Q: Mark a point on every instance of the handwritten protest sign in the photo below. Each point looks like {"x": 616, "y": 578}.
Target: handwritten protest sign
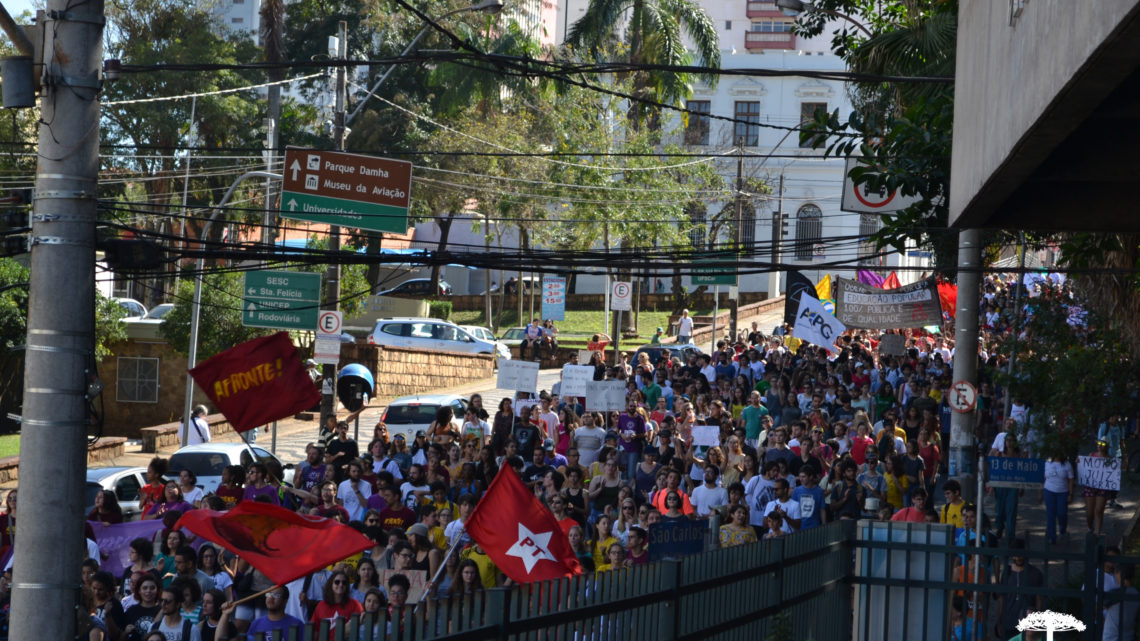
{"x": 706, "y": 435}
{"x": 1099, "y": 472}
{"x": 605, "y": 396}
{"x": 521, "y": 376}
{"x": 574, "y": 379}
{"x": 892, "y": 345}
{"x": 418, "y": 579}
{"x": 523, "y": 403}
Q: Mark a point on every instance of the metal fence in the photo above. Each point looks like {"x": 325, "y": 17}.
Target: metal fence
{"x": 774, "y": 587}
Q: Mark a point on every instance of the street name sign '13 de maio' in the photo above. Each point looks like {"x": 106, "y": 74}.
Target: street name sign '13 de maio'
{"x": 349, "y": 190}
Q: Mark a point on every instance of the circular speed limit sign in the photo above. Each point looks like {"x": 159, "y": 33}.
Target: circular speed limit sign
{"x": 963, "y": 397}
{"x": 329, "y": 322}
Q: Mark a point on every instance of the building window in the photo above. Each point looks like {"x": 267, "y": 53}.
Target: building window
{"x": 697, "y": 131}
{"x": 239, "y": 1}
{"x": 728, "y": 25}
{"x": 237, "y": 20}
{"x": 771, "y": 26}
{"x": 808, "y": 111}
{"x": 697, "y": 231}
{"x": 809, "y": 231}
{"x": 137, "y": 380}
{"x": 747, "y": 129}
{"x": 748, "y": 229}
{"x": 869, "y": 225}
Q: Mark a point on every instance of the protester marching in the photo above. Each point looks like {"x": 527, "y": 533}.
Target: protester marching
{"x": 836, "y": 414}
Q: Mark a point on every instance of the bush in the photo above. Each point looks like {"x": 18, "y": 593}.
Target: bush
{"x": 440, "y": 309}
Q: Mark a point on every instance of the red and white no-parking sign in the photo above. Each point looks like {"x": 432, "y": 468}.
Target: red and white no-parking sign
{"x": 963, "y": 397}
{"x": 330, "y": 322}
{"x": 859, "y": 199}
{"x": 621, "y": 296}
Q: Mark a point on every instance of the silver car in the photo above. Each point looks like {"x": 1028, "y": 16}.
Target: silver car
{"x": 125, "y": 482}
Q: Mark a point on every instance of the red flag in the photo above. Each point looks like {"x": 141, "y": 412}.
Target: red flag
{"x": 891, "y": 281}
{"x": 520, "y": 535}
{"x": 948, "y": 295}
{"x": 257, "y": 382}
{"x": 281, "y": 544}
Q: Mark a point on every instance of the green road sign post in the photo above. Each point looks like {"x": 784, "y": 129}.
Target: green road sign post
{"x": 347, "y": 190}
{"x": 281, "y": 300}
{"x": 709, "y": 275}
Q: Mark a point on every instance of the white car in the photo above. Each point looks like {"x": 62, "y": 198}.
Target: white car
{"x": 131, "y": 307}
{"x": 207, "y": 460}
{"x": 487, "y": 335}
{"x": 409, "y": 414}
{"x": 431, "y": 333}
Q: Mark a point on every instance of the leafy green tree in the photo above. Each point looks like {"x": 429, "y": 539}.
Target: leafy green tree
{"x": 219, "y": 327}
{"x": 654, "y": 34}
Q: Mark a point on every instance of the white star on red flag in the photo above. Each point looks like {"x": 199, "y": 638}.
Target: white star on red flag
{"x": 531, "y": 547}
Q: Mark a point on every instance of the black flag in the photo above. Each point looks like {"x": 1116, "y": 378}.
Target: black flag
{"x": 797, "y": 284}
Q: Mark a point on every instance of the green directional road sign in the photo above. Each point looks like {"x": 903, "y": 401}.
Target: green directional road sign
{"x": 281, "y": 300}
{"x": 349, "y": 190}
{"x": 710, "y": 275}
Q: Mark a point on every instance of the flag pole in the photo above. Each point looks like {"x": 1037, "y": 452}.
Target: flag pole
{"x": 442, "y": 566}
{"x": 254, "y": 596}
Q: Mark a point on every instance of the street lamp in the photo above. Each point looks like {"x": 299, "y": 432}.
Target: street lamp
{"x": 794, "y": 8}
{"x": 486, "y": 6}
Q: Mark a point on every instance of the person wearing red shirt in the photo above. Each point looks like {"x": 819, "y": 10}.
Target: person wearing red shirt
{"x": 672, "y": 482}
{"x": 336, "y": 601}
{"x": 861, "y": 442}
{"x": 916, "y": 513}
{"x": 558, "y": 507}
{"x": 155, "y": 487}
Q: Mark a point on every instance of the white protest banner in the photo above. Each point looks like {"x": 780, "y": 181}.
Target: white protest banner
{"x": 815, "y": 325}
{"x": 521, "y": 376}
{"x": 574, "y": 379}
{"x": 1099, "y": 472}
{"x": 706, "y": 435}
{"x": 605, "y": 396}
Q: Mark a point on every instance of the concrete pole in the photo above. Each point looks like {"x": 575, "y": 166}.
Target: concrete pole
{"x": 332, "y": 274}
{"x": 962, "y": 437}
{"x": 734, "y": 301}
{"x": 777, "y": 239}
{"x": 60, "y": 360}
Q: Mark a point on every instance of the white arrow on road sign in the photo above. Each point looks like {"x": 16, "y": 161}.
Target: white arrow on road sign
{"x": 292, "y": 204}
{"x": 295, "y": 168}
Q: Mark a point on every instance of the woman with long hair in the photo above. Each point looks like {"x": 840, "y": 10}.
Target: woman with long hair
{"x": 615, "y": 558}
{"x": 627, "y": 518}
{"x": 673, "y": 506}
{"x": 737, "y": 531}
{"x": 367, "y": 578}
{"x": 466, "y": 482}
{"x": 502, "y": 427}
{"x": 567, "y": 423}
{"x": 212, "y": 602}
{"x": 142, "y": 616}
{"x": 107, "y": 510}
{"x": 141, "y": 555}
{"x": 577, "y": 538}
{"x": 164, "y": 562}
{"x": 733, "y": 461}
{"x": 191, "y": 493}
{"x": 897, "y": 485}
{"x": 931, "y": 455}
{"x": 476, "y": 402}
{"x": 602, "y": 539}
{"x": 336, "y": 601}
{"x": 442, "y": 422}
{"x": 577, "y": 497}
{"x": 427, "y": 556}
{"x": 466, "y": 581}
{"x": 884, "y": 400}
{"x": 486, "y": 469}
{"x": 171, "y": 502}
{"x": 210, "y": 563}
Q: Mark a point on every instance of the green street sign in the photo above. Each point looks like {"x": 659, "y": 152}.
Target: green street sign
{"x": 281, "y": 300}
{"x": 347, "y": 190}
{"x": 713, "y": 275}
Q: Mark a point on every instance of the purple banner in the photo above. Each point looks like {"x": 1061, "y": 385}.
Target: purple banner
{"x": 115, "y": 542}
{"x": 868, "y": 277}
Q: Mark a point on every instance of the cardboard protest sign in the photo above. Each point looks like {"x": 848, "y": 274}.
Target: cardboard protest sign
{"x": 1099, "y": 472}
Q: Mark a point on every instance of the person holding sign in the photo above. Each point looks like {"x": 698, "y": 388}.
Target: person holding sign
{"x": 1096, "y": 498}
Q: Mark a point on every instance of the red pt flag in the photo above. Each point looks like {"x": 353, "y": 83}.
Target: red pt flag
{"x": 280, "y": 543}
{"x": 891, "y": 281}
{"x": 948, "y": 294}
{"x": 257, "y": 382}
{"x": 520, "y": 535}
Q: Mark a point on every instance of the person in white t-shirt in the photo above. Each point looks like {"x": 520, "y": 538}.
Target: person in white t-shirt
{"x": 787, "y": 510}
{"x": 473, "y": 425}
{"x": 199, "y": 430}
{"x": 709, "y": 495}
{"x": 548, "y": 416}
{"x": 684, "y": 328}
{"x": 589, "y": 440}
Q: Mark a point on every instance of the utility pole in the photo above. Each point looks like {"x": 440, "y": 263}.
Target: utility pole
{"x": 734, "y": 301}
{"x": 777, "y": 240}
{"x": 1008, "y": 401}
{"x": 332, "y": 275}
{"x": 962, "y": 437}
{"x": 60, "y": 361}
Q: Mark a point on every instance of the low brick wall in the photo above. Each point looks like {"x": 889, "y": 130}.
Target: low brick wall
{"x": 160, "y": 437}
{"x": 400, "y": 371}
{"x": 104, "y": 449}
{"x": 703, "y": 333}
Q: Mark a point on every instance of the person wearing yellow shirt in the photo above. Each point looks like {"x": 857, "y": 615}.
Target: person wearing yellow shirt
{"x": 603, "y": 539}
{"x": 952, "y": 511}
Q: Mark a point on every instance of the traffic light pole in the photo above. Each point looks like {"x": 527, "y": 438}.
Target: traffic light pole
{"x": 60, "y": 358}
{"x": 332, "y": 275}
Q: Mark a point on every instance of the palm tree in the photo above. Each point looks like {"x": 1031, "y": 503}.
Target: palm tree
{"x": 654, "y": 35}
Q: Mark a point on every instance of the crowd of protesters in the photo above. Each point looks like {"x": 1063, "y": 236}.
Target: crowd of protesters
{"x": 803, "y": 437}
